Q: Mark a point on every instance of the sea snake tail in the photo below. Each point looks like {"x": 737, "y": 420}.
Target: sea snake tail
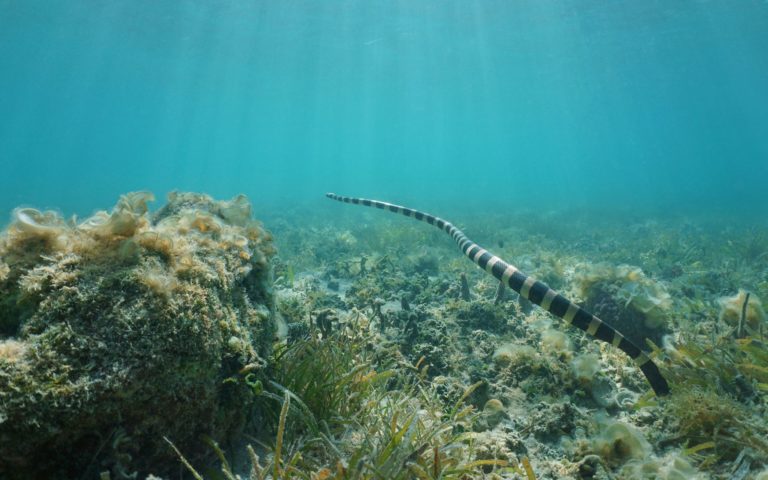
{"x": 530, "y": 288}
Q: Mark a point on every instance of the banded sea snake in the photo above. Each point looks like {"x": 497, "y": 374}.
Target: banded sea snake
{"x": 530, "y": 288}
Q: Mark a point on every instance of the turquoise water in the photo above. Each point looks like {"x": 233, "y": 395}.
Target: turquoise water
{"x": 658, "y": 105}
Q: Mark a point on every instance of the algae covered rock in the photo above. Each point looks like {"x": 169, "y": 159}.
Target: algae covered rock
{"x": 125, "y": 328}
{"x": 626, "y": 298}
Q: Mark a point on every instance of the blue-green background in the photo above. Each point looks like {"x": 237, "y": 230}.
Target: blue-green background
{"x": 646, "y": 105}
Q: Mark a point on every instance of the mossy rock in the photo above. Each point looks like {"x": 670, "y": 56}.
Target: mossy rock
{"x": 128, "y": 328}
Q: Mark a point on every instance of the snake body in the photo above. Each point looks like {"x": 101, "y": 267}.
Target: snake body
{"x": 531, "y": 289}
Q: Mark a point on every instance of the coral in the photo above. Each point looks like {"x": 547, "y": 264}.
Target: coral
{"x": 126, "y": 327}
{"x": 731, "y": 310}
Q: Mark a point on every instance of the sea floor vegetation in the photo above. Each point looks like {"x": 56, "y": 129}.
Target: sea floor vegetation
{"x": 396, "y": 358}
{"x": 548, "y": 401}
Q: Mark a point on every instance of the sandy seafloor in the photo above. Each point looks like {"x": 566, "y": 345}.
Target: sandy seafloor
{"x": 575, "y": 408}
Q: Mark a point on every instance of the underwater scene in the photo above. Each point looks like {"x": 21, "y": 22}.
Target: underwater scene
{"x": 383, "y": 239}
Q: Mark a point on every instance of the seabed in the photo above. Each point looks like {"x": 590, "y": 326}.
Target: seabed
{"x": 356, "y": 344}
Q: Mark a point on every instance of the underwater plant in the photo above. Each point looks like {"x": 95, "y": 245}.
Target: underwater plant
{"x": 358, "y": 411}
{"x": 722, "y": 397}
{"x": 530, "y": 289}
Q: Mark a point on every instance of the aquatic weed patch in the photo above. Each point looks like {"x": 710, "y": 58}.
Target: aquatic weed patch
{"x": 721, "y": 397}
{"x": 354, "y": 415}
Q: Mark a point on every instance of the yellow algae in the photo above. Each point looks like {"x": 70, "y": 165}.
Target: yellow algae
{"x": 731, "y": 309}
{"x": 11, "y": 350}
{"x": 585, "y": 367}
{"x": 555, "y": 340}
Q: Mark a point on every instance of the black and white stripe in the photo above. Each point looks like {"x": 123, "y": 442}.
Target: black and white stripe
{"x": 530, "y": 288}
